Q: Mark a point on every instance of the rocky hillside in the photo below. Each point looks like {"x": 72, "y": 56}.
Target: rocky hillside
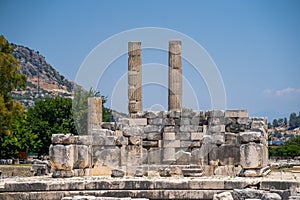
{"x": 38, "y": 71}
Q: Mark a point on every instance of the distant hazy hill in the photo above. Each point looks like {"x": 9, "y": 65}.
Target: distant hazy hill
{"x": 51, "y": 82}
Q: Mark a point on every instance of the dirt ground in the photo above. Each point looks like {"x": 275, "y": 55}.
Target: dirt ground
{"x": 16, "y": 170}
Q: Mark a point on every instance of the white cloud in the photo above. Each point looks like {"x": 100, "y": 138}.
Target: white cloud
{"x": 287, "y": 91}
{"x": 283, "y": 92}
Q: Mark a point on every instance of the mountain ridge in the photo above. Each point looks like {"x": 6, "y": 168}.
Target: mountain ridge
{"x": 43, "y": 80}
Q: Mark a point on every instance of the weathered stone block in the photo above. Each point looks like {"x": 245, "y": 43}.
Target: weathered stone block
{"x": 62, "y": 139}
{"x": 78, "y": 172}
{"x": 171, "y": 143}
{"x": 229, "y": 154}
{"x": 120, "y": 141}
{"x": 168, "y": 129}
{"x": 101, "y": 171}
{"x": 149, "y": 114}
{"x": 212, "y": 121}
{"x": 110, "y": 157}
{"x": 190, "y": 128}
{"x": 251, "y": 137}
{"x": 183, "y": 158}
{"x": 61, "y": 157}
{"x": 154, "y": 156}
{"x": 187, "y": 113}
{"x": 117, "y": 173}
{"x": 138, "y": 122}
{"x": 82, "y": 157}
{"x": 223, "y": 196}
{"x": 169, "y": 122}
{"x": 150, "y": 144}
{"x": 155, "y": 121}
{"x": 214, "y": 154}
{"x": 154, "y": 136}
{"x": 216, "y": 113}
{"x": 231, "y": 138}
{"x": 196, "y": 135}
{"x": 151, "y": 128}
{"x": 185, "y": 121}
{"x": 216, "y": 128}
{"x": 82, "y": 139}
{"x": 135, "y": 140}
{"x": 62, "y": 173}
{"x": 132, "y": 131}
{"x": 169, "y": 136}
{"x": 236, "y": 113}
{"x": 251, "y": 155}
{"x": 199, "y": 156}
{"x": 218, "y": 138}
{"x": 256, "y": 124}
{"x": 168, "y": 155}
{"x": 183, "y": 136}
{"x": 186, "y": 144}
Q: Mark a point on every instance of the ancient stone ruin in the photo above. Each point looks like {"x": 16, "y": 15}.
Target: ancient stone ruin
{"x": 176, "y": 142}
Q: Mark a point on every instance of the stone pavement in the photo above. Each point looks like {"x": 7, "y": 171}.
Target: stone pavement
{"x": 46, "y": 187}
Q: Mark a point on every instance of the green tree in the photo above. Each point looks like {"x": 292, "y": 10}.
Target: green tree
{"x": 80, "y": 108}
{"x": 291, "y": 148}
{"x": 47, "y": 117}
{"x": 10, "y": 79}
{"x": 293, "y": 120}
{"x": 275, "y": 123}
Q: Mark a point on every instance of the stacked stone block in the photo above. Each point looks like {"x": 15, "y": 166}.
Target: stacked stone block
{"x": 187, "y": 143}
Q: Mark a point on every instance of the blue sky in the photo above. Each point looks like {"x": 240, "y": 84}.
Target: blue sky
{"x": 255, "y": 44}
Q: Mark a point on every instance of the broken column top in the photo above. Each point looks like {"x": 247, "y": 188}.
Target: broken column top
{"x": 175, "y": 46}
{"x": 134, "y": 48}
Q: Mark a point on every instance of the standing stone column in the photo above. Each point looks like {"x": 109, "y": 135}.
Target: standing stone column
{"x": 94, "y": 114}
{"x": 175, "y": 76}
{"x": 134, "y": 78}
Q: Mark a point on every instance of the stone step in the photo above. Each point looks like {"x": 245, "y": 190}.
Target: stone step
{"x": 148, "y": 194}
{"x": 192, "y": 172}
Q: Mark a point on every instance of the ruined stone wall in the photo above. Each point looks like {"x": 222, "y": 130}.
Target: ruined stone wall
{"x": 167, "y": 143}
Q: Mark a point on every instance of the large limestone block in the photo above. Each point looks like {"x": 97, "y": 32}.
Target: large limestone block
{"x": 82, "y": 139}
{"x": 62, "y": 139}
{"x": 151, "y": 128}
{"x": 223, "y": 196}
{"x": 251, "y": 137}
{"x": 232, "y": 138}
{"x": 168, "y": 155}
{"x": 214, "y": 155}
{"x": 199, "y": 156}
{"x": 101, "y": 171}
{"x": 216, "y": 128}
{"x": 212, "y": 121}
{"x": 196, "y": 135}
{"x": 82, "y": 157}
{"x": 62, "y": 173}
{"x": 229, "y": 154}
{"x": 110, "y": 157}
{"x": 138, "y": 122}
{"x": 61, "y": 157}
{"x": 154, "y": 156}
{"x": 132, "y": 131}
{"x": 215, "y": 113}
{"x": 154, "y": 136}
{"x": 236, "y": 113}
{"x": 251, "y": 155}
{"x": 183, "y": 158}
